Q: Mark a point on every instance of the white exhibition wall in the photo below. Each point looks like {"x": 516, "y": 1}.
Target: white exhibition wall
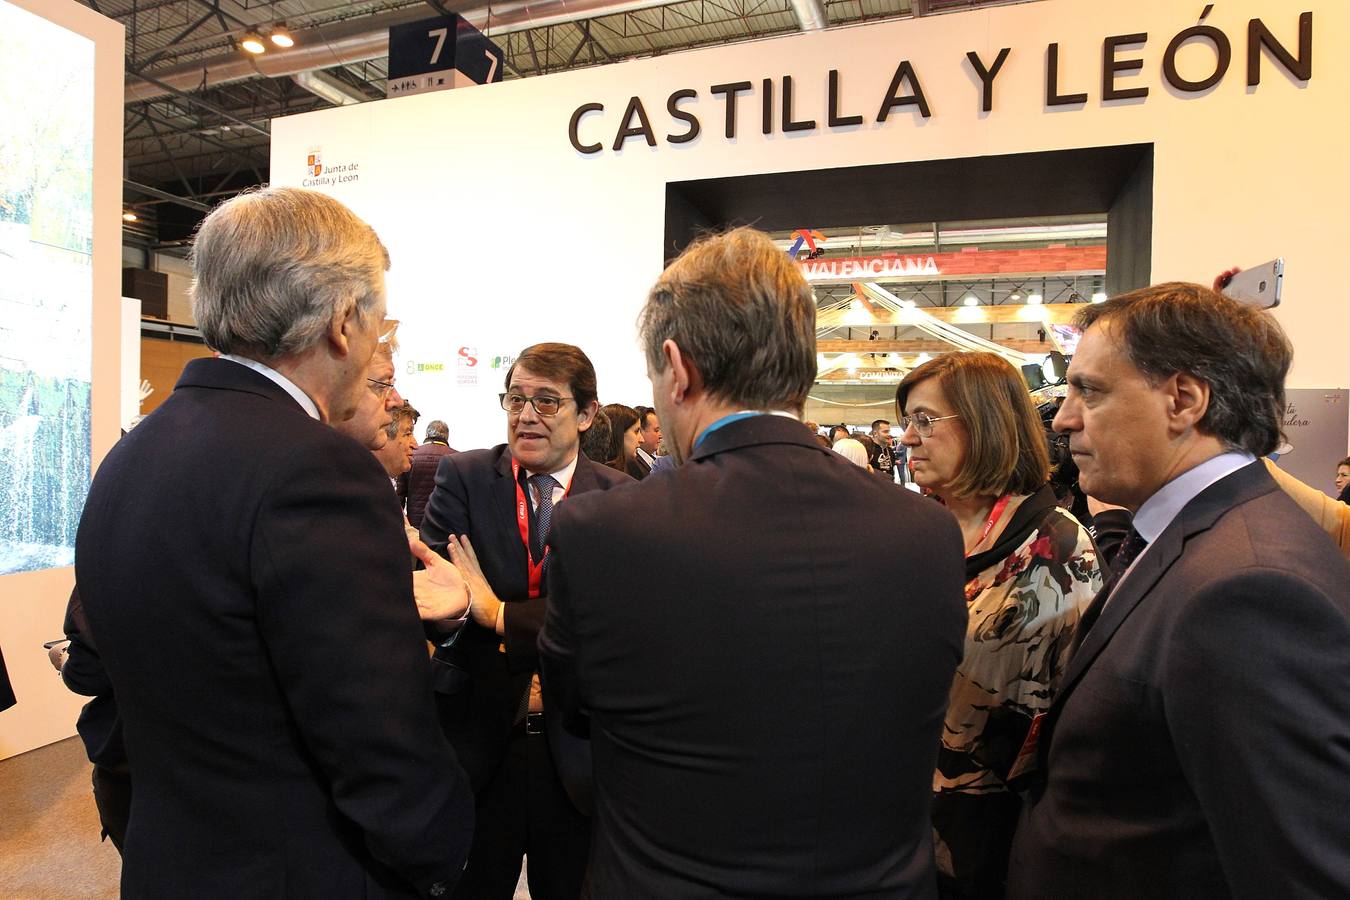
{"x": 33, "y": 603}
{"x": 503, "y": 234}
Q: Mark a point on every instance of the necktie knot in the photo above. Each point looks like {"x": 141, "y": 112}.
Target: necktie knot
{"x": 543, "y": 486}
{"x": 1129, "y": 551}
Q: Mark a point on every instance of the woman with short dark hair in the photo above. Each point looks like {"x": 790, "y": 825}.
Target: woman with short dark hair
{"x": 978, "y": 446}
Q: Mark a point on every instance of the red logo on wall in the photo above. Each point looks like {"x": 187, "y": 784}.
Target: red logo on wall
{"x": 315, "y": 162}
{"x": 468, "y": 356}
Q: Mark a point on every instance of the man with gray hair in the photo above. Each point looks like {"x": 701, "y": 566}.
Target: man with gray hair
{"x": 246, "y": 575}
{"x": 396, "y": 454}
{"x": 766, "y": 719}
{"x": 420, "y": 480}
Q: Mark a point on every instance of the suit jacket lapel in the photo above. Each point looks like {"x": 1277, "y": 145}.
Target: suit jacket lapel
{"x": 502, "y": 500}
{"x": 1199, "y": 515}
{"x": 1156, "y": 560}
{"x": 583, "y": 479}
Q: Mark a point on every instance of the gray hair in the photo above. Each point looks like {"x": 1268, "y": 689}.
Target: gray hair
{"x": 740, "y": 311}
{"x": 1239, "y": 351}
{"x": 274, "y": 266}
{"x": 437, "y": 431}
{"x": 401, "y": 414}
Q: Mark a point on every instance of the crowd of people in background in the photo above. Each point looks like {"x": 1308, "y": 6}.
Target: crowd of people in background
{"x": 660, "y": 665}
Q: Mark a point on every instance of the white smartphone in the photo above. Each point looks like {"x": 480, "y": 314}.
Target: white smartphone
{"x": 1260, "y": 285}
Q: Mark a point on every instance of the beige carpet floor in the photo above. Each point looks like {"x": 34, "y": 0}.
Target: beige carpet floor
{"x": 49, "y": 845}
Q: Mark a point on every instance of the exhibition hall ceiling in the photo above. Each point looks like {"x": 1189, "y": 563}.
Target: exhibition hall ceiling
{"x": 198, "y": 107}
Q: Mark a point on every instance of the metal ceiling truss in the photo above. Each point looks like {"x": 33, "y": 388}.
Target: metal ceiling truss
{"x": 199, "y": 138}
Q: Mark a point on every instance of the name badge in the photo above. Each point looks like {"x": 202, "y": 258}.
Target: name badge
{"x": 1028, "y": 757}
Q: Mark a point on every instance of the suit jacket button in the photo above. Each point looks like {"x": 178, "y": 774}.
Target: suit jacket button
{"x": 437, "y": 889}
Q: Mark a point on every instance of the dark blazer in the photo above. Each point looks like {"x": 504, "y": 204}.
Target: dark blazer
{"x": 765, "y": 693}
{"x": 482, "y": 677}
{"x": 246, "y": 575}
{"x": 1200, "y": 743}
{"x": 421, "y": 479}
{"x": 99, "y": 725}
{"x": 639, "y": 468}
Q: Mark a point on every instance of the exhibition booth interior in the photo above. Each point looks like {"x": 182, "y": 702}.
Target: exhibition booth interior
{"x": 954, "y": 182}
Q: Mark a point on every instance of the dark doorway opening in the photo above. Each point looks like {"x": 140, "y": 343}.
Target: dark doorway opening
{"x": 1117, "y": 181}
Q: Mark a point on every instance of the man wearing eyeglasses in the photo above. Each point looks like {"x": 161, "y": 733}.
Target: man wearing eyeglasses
{"x": 374, "y": 409}
{"x": 490, "y": 513}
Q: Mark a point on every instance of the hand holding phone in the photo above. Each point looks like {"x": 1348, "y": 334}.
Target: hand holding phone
{"x": 1259, "y": 286}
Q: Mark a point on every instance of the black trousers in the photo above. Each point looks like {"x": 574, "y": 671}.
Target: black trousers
{"x": 112, "y": 796}
{"x": 524, "y": 811}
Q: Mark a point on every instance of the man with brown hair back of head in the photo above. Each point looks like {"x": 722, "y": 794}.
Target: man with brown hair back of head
{"x": 765, "y": 690}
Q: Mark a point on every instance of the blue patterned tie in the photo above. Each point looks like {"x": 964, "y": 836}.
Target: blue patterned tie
{"x": 543, "y": 486}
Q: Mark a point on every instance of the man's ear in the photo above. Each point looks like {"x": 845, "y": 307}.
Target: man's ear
{"x": 1188, "y": 399}
{"x": 685, "y": 377}
{"x": 341, "y": 328}
{"x": 586, "y": 415}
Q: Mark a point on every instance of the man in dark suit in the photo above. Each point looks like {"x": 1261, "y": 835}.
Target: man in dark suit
{"x": 764, "y": 694}
{"x": 242, "y": 565}
{"x": 1199, "y": 745}
{"x": 649, "y": 440}
{"x": 491, "y": 512}
{"x": 421, "y": 478}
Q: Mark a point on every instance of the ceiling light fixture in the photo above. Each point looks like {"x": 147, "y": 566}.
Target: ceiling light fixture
{"x": 128, "y": 216}
{"x": 1099, "y": 297}
{"x": 252, "y": 42}
{"x": 1035, "y": 300}
{"x": 971, "y": 300}
{"x": 281, "y": 37}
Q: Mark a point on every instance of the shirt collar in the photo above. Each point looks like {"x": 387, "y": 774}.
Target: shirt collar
{"x": 1159, "y": 510}
{"x": 646, "y": 457}
{"x": 564, "y": 475}
{"x": 743, "y": 414}
{"x": 281, "y": 380}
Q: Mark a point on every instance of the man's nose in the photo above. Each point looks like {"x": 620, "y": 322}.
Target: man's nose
{"x": 1066, "y": 419}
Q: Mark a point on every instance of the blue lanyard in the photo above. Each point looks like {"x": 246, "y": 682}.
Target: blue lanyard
{"x": 726, "y": 420}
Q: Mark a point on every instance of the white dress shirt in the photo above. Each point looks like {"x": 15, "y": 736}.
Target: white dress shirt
{"x": 285, "y": 383}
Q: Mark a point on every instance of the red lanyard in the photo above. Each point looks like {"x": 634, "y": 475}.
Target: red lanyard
{"x": 535, "y": 570}
{"x": 994, "y": 513}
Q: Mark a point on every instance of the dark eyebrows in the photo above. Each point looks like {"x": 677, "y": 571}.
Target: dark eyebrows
{"x": 1081, "y": 382}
